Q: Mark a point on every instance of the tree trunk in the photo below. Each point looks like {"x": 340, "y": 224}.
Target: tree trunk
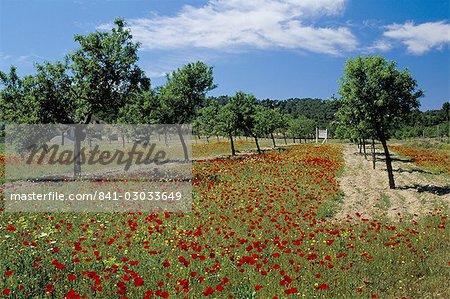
{"x": 217, "y": 138}
{"x": 388, "y": 163}
{"x": 79, "y": 136}
{"x": 77, "y": 151}
{"x": 293, "y": 139}
{"x": 257, "y": 145}
{"x": 123, "y": 141}
{"x": 373, "y": 153}
{"x": 364, "y": 148}
{"x": 285, "y": 140}
{"x": 62, "y": 137}
{"x": 233, "y": 151}
{"x": 273, "y": 140}
{"x": 183, "y": 143}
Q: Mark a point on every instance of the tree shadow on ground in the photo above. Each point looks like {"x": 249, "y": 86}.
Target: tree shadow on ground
{"x": 400, "y": 170}
{"x": 438, "y": 190}
{"x": 380, "y": 157}
{"x": 403, "y": 160}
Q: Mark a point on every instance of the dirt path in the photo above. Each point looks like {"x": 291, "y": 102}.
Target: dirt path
{"x": 367, "y": 191}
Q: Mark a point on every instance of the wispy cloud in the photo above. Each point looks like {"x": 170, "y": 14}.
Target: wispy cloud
{"x": 171, "y": 60}
{"x": 7, "y": 60}
{"x": 421, "y": 38}
{"x": 381, "y": 45}
{"x": 232, "y": 25}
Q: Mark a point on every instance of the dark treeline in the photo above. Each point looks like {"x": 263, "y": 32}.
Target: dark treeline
{"x": 428, "y": 124}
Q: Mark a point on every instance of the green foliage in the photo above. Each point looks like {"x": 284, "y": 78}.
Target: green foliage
{"x": 105, "y": 72}
{"x": 208, "y": 118}
{"x": 16, "y": 101}
{"x": 267, "y": 120}
{"x": 141, "y": 108}
{"x": 53, "y": 93}
{"x": 227, "y": 120}
{"x": 321, "y": 111}
{"x": 185, "y": 91}
{"x": 243, "y": 106}
{"x": 376, "y": 97}
{"x": 301, "y": 127}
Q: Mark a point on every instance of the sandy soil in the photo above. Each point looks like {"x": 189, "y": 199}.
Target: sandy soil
{"x": 367, "y": 191}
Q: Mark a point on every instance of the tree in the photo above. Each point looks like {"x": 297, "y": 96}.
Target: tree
{"x": 141, "y": 108}
{"x": 446, "y": 109}
{"x": 184, "y": 93}
{"x": 379, "y": 96}
{"x": 98, "y": 78}
{"x": 207, "y": 119}
{"x": 52, "y": 92}
{"x": 17, "y": 104}
{"x": 105, "y": 75}
{"x": 267, "y": 120}
{"x": 227, "y": 123}
{"x": 243, "y": 106}
{"x": 283, "y": 126}
{"x": 301, "y": 127}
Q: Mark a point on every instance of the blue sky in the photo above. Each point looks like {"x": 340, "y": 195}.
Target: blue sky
{"x": 272, "y": 48}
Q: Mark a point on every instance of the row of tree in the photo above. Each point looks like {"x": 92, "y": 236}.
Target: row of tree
{"x": 102, "y": 78}
{"x": 243, "y": 115}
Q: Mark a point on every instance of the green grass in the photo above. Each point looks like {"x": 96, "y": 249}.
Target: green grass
{"x": 384, "y": 203}
{"x": 260, "y": 222}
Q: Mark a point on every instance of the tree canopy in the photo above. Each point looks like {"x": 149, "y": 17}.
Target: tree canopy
{"x": 376, "y": 98}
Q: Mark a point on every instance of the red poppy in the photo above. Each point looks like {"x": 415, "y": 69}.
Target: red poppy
{"x": 290, "y": 291}
{"x": 10, "y": 228}
{"x": 323, "y": 286}
{"x": 138, "y": 281}
{"x": 208, "y": 291}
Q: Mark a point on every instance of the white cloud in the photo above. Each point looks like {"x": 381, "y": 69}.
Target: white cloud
{"x": 231, "y": 25}
{"x": 420, "y": 38}
{"x": 380, "y": 46}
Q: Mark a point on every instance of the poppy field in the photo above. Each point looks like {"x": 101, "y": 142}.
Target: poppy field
{"x": 431, "y": 159}
{"x": 261, "y": 226}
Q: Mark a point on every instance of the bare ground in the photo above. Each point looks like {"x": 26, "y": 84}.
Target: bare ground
{"x": 367, "y": 191}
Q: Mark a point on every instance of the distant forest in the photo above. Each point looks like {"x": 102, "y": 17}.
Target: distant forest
{"x": 428, "y": 124}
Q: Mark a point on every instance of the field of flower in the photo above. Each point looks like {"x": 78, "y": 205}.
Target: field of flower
{"x": 432, "y": 159}
{"x": 214, "y": 149}
{"x": 260, "y": 227}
